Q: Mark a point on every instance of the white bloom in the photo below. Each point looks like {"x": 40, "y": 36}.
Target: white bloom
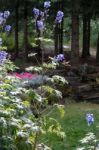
{"x": 80, "y": 148}
{"x": 90, "y": 136}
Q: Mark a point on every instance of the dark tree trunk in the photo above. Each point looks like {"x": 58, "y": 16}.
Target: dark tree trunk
{"x": 56, "y": 39}
{"x": 16, "y": 29}
{"x": 88, "y": 48}
{"x": 84, "y": 52}
{"x": 97, "y": 53}
{"x": 75, "y": 39}
{"x": 26, "y": 29}
{"x": 75, "y": 32}
{"x": 61, "y": 29}
{"x": 86, "y": 36}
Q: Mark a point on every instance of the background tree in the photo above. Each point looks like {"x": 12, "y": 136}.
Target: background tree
{"x": 75, "y": 32}
{"x": 16, "y": 28}
{"x": 26, "y": 28}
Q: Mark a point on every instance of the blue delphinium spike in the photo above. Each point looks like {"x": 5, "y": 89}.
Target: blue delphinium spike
{"x": 89, "y": 119}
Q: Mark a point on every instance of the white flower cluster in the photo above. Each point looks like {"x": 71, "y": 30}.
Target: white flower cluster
{"x": 89, "y": 136}
{"x": 89, "y": 142}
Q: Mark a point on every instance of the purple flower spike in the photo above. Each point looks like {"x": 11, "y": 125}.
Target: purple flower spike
{"x": 47, "y": 4}
{"x": 3, "y": 56}
{"x": 36, "y": 11}
{"x": 1, "y": 14}
{"x": 41, "y": 13}
{"x": 89, "y": 119}
{"x": 59, "y": 16}
{"x": 0, "y": 41}
{"x": 60, "y": 57}
{"x": 1, "y": 20}
{"x": 7, "y": 28}
{"x": 40, "y": 24}
{"x": 6, "y": 14}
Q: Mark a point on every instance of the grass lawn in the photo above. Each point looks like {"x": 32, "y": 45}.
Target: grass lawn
{"x": 74, "y": 125}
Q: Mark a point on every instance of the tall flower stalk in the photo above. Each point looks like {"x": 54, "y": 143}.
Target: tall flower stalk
{"x": 3, "y": 27}
{"x": 57, "y": 31}
{"x": 40, "y": 17}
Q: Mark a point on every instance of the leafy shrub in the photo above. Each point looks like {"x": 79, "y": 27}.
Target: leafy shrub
{"x": 61, "y": 84}
{"x": 17, "y": 124}
{"x": 50, "y": 94}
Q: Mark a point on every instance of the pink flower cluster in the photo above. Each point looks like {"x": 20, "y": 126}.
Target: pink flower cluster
{"x": 25, "y": 75}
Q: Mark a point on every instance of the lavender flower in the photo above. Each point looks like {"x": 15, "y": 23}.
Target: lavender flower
{"x": 1, "y": 14}
{"x": 40, "y": 24}
{"x": 0, "y": 41}
{"x": 36, "y": 11}
{"x": 89, "y": 119}
{"x": 60, "y": 57}
{"x": 59, "y": 16}
{"x": 6, "y": 14}
{"x": 47, "y": 4}
{"x": 41, "y": 13}
{"x": 1, "y": 20}
{"x": 7, "y": 28}
{"x": 3, "y": 56}
{"x": 3, "y": 17}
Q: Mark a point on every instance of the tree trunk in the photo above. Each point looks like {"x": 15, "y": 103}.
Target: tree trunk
{"x": 97, "y": 53}
{"x": 16, "y": 29}
{"x": 88, "y": 48}
{"x": 84, "y": 52}
{"x": 26, "y": 29}
{"x": 56, "y": 39}
{"x": 86, "y": 36}
{"x": 75, "y": 38}
{"x": 61, "y": 29}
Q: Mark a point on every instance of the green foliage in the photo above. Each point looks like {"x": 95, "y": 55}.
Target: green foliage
{"x": 34, "y": 69}
{"x": 35, "y": 82}
{"x": 61, "y": 84}
{"x": 17, "y": 123}
{"x": 9, "y": 66}
{"x": 49, "y": 65}
{"x": 51, "y": 94}
{"x": 90, "y": 141}
{"x": 53, "y": 127}
{"x": 59, "y": 80}
{"x": 21, "y": 120}
{"x": 8, "y": 40}
{"x": 95, "y": 30}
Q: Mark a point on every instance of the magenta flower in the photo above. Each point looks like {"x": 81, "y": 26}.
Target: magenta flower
{"x": 25, "y": 75}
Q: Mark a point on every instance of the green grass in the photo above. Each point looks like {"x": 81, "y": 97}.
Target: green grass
{"x": 74, "y": 125}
